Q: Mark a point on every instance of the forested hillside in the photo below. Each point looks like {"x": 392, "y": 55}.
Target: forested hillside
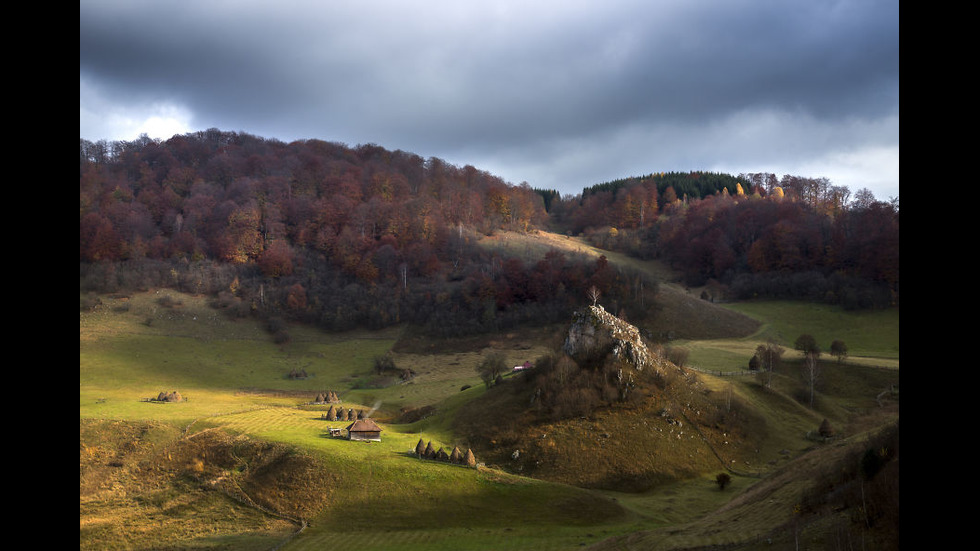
{"x": 321, "y": 232}
{"x": 750, "y": 236}
{"x": 343, "y": 236}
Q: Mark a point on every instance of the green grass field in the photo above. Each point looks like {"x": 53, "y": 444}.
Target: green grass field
{"x": 233, "y": 377}
{"x": 138, "y": 467}
{"x": 871, "y": 337}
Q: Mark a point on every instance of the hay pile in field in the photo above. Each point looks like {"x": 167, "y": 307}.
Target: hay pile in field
{"x": 329, "y": 397}
{"x": 457, "y": 457}
{"x": 172, "y": 396}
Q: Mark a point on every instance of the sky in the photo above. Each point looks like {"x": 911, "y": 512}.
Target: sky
{"x": 558, "y": 94}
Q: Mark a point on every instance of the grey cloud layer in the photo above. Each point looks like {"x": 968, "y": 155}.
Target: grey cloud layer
{"x": 494, "y": 80}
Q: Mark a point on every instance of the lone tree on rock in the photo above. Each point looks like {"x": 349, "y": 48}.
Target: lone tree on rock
{"x": 594, "y": 294}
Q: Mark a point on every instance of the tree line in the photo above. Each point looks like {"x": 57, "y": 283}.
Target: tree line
{"x": 324, "y": 233}
{"x": 341, "y": 236}
{"x": 750, "y": 236}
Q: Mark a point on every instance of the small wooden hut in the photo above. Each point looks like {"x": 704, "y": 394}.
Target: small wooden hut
{"x": 364, "y": 429}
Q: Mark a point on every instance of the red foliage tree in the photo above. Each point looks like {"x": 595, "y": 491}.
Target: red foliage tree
{"x": 277, "y": 259}
{"x": 98, "y": 240}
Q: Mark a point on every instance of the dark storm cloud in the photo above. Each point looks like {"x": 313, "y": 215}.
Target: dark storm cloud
{"x": 559, "y": 94}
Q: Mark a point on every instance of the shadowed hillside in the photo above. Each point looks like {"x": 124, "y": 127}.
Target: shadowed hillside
{"x": 597, "y": 417}
{"x": 841, "y": 496}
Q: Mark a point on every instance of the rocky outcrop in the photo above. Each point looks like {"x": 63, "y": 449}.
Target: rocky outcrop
{"x": 593, "y": 328}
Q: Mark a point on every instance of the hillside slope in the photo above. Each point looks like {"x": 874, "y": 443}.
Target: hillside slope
{"x": 677, "y": 312}
{"x": 681, "y": 315}
{"x": 606, "y": 413}
{"x": 838, "y": 496}
{"x": 681, "y": 426}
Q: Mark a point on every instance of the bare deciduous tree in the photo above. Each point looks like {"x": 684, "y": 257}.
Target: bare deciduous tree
{"x": 594, "y": 294}
{"x": 769, "y": 355}
{"x": 811, "y": 371}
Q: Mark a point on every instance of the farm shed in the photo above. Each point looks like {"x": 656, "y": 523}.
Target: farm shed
{"x": 526, "y": 365}
{"x": 364, "y": 429}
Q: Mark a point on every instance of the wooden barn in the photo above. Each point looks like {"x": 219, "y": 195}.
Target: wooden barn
{"x": 364, "y": 429}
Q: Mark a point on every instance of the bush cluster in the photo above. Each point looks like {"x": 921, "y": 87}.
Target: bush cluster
{"x": 562, "y": 387}
{"x": 865, "y": 483}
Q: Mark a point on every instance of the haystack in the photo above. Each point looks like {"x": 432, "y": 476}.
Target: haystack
{"x": 169, "y": 397}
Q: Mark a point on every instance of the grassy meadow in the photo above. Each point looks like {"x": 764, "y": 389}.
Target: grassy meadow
{"x": 234, "y": 378}
{"x": 148, "y": 470}
{"x": 871, "y": 336}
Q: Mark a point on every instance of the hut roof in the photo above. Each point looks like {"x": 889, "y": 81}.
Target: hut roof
{"x": 363, "y": 425}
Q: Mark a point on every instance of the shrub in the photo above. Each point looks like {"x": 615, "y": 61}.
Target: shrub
{"x": 722, "y": 480}
{"x": 491, "y": 367}
{"x": 677, "y": 356}
{"x": 825, "y": 429}
{"x": 168, "y": 301}
{"x": 89, "y": 303}
{"x": 383, "y": 363}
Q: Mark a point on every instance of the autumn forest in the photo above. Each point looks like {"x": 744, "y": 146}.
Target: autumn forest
{"x": 341, "y": 236}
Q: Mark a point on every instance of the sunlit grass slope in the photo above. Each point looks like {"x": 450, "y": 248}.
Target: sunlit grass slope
{"x": 147, "y": 466}
{"x": 235, "y": 380}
